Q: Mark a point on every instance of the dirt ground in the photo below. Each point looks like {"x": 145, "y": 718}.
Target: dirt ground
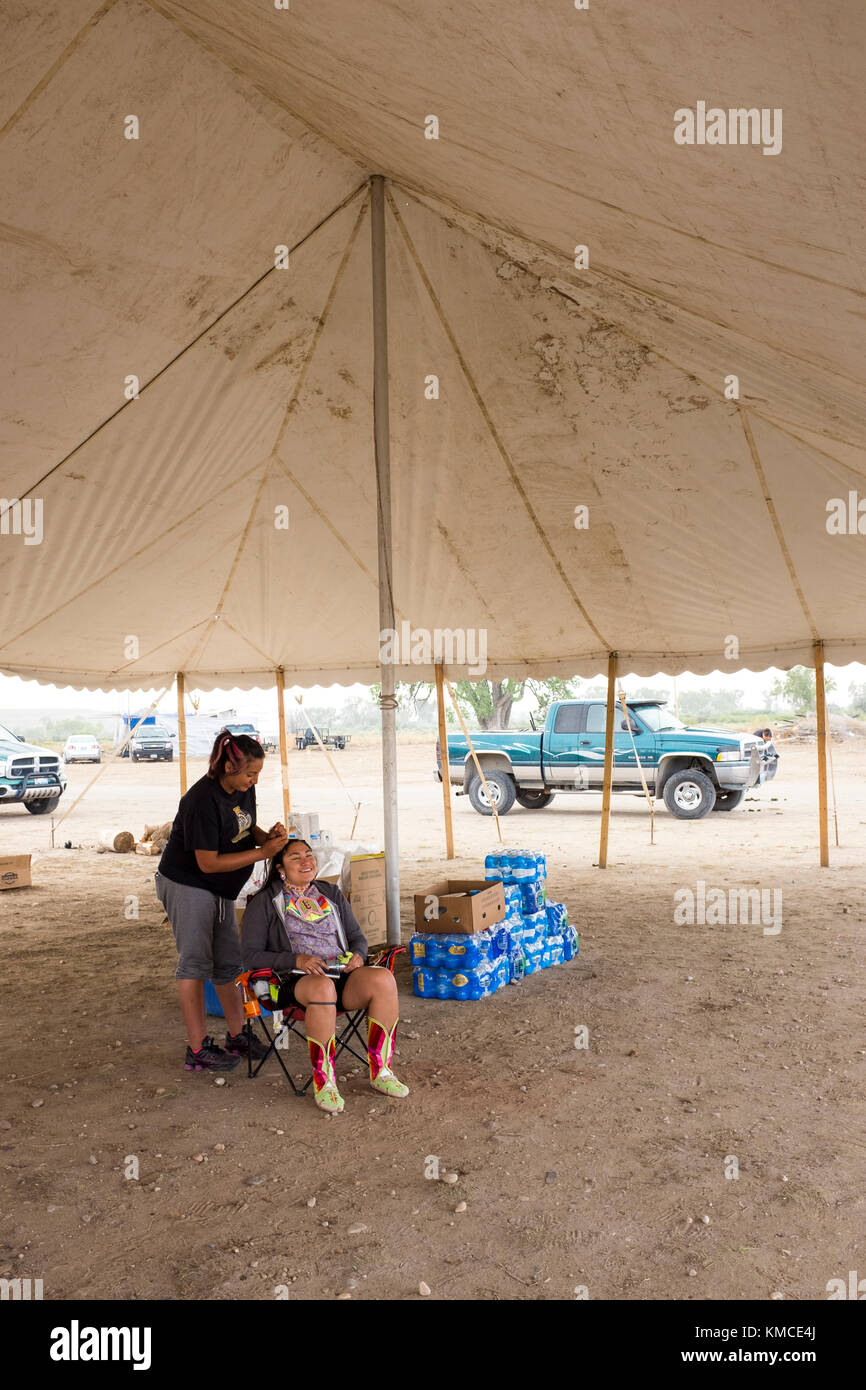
{"x": 600, "y": 1169}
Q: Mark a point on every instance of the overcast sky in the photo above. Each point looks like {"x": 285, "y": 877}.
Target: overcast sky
{"x": 16, "y": 694}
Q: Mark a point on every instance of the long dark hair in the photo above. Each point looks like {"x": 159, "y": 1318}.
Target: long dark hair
{"x": 238, "y": 747}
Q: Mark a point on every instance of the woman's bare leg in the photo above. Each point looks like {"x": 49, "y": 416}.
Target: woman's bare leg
{"x": 191, "y": 996}
{"x": 375, "y": 990}
{"x": 320, "y": 1020}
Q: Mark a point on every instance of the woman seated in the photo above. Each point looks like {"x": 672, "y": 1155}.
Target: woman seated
{"x": 295, "y": 923}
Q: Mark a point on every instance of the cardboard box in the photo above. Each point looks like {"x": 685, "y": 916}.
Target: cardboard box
{"x": 15, "y": 871}
{"x": 458, "y": 911}
{"x": 367, "y": 894}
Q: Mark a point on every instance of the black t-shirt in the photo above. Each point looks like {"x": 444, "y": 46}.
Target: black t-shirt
{"x": 210, "y": 818}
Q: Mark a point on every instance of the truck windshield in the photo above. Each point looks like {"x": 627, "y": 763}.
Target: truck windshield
{"x": 7, "y": 733}
{"x": 656, "y": 717}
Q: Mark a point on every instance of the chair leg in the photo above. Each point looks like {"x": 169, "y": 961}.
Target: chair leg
{"x": 344, "y": 1042}
{"x": 272, "y": 1040}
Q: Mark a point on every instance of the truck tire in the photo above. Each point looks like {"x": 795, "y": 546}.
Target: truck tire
{"x": 502, "y": 790}
{"x": 729, "y": 801}
{"x": 534, "y": 801}
{"x": 689, "y": 794}
{"x": 42, "y": 808}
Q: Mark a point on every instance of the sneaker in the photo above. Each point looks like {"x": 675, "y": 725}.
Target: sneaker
{"x": 209, "y": 1058}
{"x": 240, "y": 1045}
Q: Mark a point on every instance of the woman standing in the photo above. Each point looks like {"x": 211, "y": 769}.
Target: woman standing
{"x": 213, "y": 845}
{"x": 302, "y": 927}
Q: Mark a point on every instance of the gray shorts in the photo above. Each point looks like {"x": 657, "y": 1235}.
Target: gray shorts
{"x": 205, "y": 932}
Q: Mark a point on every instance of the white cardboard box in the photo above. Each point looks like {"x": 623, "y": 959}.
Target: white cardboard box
{"x": 302, "y": 824}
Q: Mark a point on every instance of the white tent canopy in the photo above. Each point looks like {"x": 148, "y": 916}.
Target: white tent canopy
{"x": 558, "y": 388}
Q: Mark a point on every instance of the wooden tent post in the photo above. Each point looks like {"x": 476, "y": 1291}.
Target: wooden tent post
{"x": 479, "y": 769}
{"x": 446, "y": 767}
{"x": 181, "y": 733}
{"x": 823, "y": 739}
{"x": 284, "y": 752}
{"x": 608, "y": 760}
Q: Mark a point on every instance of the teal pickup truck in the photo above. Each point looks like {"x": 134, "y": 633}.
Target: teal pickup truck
{"x": 29, "y": 775}
{"x": 695, "y": 771}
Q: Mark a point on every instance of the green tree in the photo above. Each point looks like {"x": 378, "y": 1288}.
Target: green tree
{"x": 490, "y": 701}
{"x": 707, "y": 704}
{"x": 413, "y": 697}
{"x": 547, "y": 691}
{"x": 796, "y": 689}
{"x": 857, "y": 701}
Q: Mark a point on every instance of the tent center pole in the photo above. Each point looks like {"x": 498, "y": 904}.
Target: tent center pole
{"x": 608, "y": 760}
{"x": 822, "y": 740}
{"x": 284, "y": 752}
{"x": 382, "y": 453}
{"x": 445, "y": 764}
{"x": 181, "y": 733}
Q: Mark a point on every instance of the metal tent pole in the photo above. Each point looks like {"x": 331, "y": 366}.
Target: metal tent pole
{"x": 382, "y": 450}
{"x": 181, "y": 733}
{"x": 823, "y": 737}
{"x": 446, "y": 767}
{"x": 608, "y": 760}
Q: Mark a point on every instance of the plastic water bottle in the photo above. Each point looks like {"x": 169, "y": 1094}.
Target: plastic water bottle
{"x": 518, "y": 965}
{"x": 424, "y": 982}
{"x": 531, "y": 894}
{"x": 513, "y": 898}
{"x": 493, "y": 867}
{"x": 532, "y": 953}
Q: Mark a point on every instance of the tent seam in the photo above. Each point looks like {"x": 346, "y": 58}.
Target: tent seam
{"x": 488, "y": 419}
{"x": 191, "y": 344}
{"x": 777, "y": 525}
{"x": 48, "y": 77}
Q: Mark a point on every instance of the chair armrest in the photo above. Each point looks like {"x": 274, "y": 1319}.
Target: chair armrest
{"x": 387, "y": 957}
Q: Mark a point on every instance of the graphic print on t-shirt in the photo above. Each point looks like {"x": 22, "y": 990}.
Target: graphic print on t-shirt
{"x": 244, "y": 822}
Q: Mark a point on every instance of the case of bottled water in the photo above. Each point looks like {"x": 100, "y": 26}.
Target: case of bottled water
{"x": 534, "y": 935}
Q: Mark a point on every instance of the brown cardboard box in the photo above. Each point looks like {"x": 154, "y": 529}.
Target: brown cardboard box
{"x": 368, "y": 894}
{"x": 15, "y": 871}
{"x": 458, "y": 912}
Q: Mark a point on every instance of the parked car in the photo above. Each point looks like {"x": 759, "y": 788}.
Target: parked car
{"x": 82, "y": 748}
{"x": 29, "y": 774}
{"x": 694, "y": 770}
{"x": 151, "y": 743}
{"x": 308, "y": 739}
{"x": 249, "y": 729}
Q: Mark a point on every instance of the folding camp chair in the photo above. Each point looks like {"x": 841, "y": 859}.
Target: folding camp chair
{"x": 291, "y": 1017}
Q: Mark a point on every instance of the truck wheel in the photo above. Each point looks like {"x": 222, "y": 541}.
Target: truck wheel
{"x": 42, "y": 808}
{"x": 533, "y": 801}
{"x": 689, "y": 794}
{"x": 501, "y": 789}
{"x": 729, "y": 801}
